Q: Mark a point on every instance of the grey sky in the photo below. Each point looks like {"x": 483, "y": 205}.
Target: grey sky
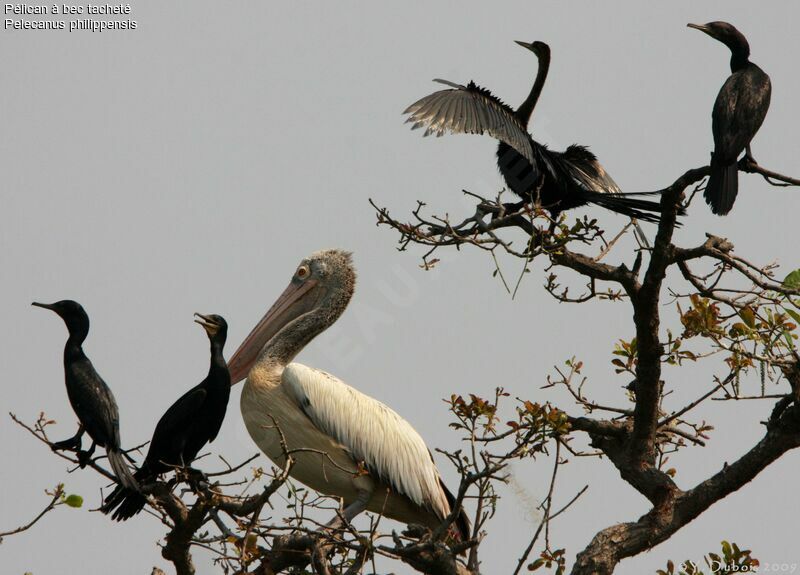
{"x": 190, "y": 164}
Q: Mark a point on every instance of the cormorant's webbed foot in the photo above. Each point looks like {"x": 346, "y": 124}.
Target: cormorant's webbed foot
{"x": 84, "y": 457}
{"x": 194, "y": 475}
{"x": 71, "y": 444}
{"x": 510, "y": 208}
{"x": 748, "y": 162}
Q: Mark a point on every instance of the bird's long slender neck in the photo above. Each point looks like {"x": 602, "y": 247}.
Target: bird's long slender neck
{"x": 740, "y": 53}
{"x": 525, "y": 110}
{"x": 218, "y": 367}
{"x": 73, "y": 349}
{"x": 295, "y": 335}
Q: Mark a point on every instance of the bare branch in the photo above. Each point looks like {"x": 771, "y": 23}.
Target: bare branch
{"x": 57, "y": 494}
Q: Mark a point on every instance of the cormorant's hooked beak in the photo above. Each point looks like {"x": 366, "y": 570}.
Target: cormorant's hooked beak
{"x": 701, "y": 27}
{"x": 208, "y": 324}
{"x": 525, "y": 45}
{"x": 292, "y": 303}
{"x": 44, "y": 305}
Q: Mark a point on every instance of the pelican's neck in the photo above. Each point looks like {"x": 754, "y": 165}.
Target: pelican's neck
{"x": 525, "y": 111}
{"x": 293, "y": 337}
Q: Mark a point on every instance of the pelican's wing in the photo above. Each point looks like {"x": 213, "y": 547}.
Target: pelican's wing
{"x": 470, "y": 110}
{"x": 373, "y": 433}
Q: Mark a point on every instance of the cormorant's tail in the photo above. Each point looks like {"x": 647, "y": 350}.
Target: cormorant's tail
{"x": 628, "y": 204}
{"x": 721, "y": 189}
{"x": 121, "y": 470}
{"x": 462, "y": 524}
{"x": 124, "y": 502}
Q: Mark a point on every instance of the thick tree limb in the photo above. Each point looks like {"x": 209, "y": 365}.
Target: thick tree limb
{"x": 615, "y": 543}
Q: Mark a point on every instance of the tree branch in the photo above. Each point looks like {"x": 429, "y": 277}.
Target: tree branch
{"x": 615, "y": 543}
{"x": 58, "y": 492}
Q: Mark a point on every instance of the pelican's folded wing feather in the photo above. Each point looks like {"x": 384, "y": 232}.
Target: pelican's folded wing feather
{"x": 372, "y": 432}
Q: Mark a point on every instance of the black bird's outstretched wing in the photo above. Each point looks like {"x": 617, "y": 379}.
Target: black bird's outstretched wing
{"x": 470, "y": 109}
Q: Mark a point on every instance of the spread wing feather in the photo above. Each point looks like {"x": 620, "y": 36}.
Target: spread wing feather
{"x": 470, "y": 110}
{"x": 582, "y": 166}
{"x": 371, "y": 432}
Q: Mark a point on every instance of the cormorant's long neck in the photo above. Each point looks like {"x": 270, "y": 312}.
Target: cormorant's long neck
{"x": 218, "y": 365}
{"x": 525, "y": 110}
{"x": 740, "y": 54}
{"x": 73, "y": 350}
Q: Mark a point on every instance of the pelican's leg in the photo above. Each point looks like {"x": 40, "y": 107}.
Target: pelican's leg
{"x": 350, "y": 512}
{"x": 72, "y": 444}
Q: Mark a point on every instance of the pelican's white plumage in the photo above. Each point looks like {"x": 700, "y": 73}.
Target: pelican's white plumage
{"x": 344, "y": 442}
{"x": 315, "y": 410}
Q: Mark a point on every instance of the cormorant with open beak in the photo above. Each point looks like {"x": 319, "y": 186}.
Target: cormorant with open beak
{"x": 89, "y": 395}
{"x": 191, "y": 422}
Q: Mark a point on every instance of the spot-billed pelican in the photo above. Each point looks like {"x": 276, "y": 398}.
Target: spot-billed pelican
{"x": 353, "y": 446}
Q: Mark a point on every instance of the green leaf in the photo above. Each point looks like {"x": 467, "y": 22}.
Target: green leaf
{"x": 794, "y": 315}
{"x": 726, "y": 550}
{"x": 792, "y": 281}
{"x": 748, "y": 316}
{"x": 74, "y": 500}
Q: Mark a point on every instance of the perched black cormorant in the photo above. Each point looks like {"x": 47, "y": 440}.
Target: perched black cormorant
{"x": 558, "y": 180}
{"x": 739, "y": 111}
{"x": 89, "y": 395}
{"x": 190, "y": 423}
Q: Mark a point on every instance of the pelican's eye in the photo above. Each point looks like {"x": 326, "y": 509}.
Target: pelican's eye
{"x": 303, "y": 272}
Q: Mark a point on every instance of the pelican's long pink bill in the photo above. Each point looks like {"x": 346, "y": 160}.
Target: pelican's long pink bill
{"x": 289, "y": 306}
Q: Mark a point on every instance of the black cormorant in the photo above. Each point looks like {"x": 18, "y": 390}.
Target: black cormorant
{"x": 89, "y": 395}
{"x": 558, "y": 180}
{"x": 190, "y": 423}
{"x": 739, "y": 111}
